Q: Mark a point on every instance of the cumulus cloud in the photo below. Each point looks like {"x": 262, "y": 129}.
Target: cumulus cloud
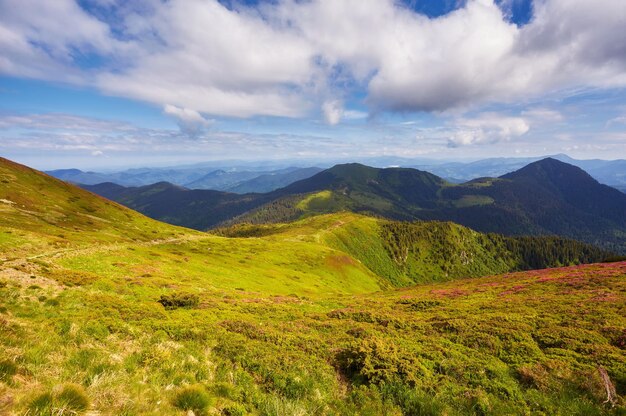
{"x": 289, "y": 58}
{"x": 45, "y": 39}
{"x": 487, "y": 129}
{"x": 333, "y": 111}
{"x": 189, "y": 121}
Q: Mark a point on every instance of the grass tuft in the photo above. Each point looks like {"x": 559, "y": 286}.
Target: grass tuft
{"x": 194, "y": 398}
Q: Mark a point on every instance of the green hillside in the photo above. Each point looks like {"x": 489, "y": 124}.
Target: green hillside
{"x": 106, "y": 312}
{"x": 40, "y": 214}
{"x": 54, "y": 229}
{"x": 425, "y": 251}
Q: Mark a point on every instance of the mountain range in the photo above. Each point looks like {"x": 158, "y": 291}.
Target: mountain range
{"x": 233, "y": 176}
{"x": 233, "y": 179}
{"x": 608, "y": 172}
{"x": 547, "y": 197}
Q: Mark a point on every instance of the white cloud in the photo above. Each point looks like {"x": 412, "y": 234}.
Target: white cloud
{"x": 616, "y": 120}
{"x": 333, "y": 111}
{"x": 189, "y": 121}
{"x": 543, "y": 115}
{"x": 488, "y": 128}
{"x": 43, "y": 39}
{"x": 66, "y": 122}
{"x": 218, "y": 61}
{"x": 290, "y": 57}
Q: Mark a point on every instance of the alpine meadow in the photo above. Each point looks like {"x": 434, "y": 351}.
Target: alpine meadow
{"x": 312, "y": 207}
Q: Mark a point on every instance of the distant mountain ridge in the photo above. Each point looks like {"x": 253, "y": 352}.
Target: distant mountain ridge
{"x": 608, "y": 172}
{"x": 547, "y": 197}
{"x": 233, "y": 180}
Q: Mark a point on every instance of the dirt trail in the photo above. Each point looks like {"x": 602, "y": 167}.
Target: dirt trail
{"x": 337, "y": 224}
{"x": 116, "y": 246}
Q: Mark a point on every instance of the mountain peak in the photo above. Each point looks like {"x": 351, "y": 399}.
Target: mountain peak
{"x": 551, "y": 170}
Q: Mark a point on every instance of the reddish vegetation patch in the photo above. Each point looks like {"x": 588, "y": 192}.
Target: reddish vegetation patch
{"x": 492, "y": 284}
{"x": 339, "y": 261}
{"x": 285, "y": 299}
{"x": 449, "y": 293}
{"x": 606, "y": 297}
{"x": 251, "y": 300}
{"x": 581, "y": 274}
{"x": 513, "y": 290}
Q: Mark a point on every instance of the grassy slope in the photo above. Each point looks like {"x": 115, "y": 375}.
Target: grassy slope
{"x": 41, "y": 214}
{"x": 511, "y": 344}
{"x": 286, "y": 324}
{"x": 419, "y": 252}
{"x": 58, "y": 226}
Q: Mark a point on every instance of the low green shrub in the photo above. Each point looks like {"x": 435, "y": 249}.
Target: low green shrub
{"x": 194, "y": 398}
{"x": 375, "y": 360}
{"x": 52, "y": 302}
{"x": 7, "y": 370}
{"x": 71, "y": 278}
{"x": 234, "y": 410}
{"x": 41, "y": 405}
{"x": 179, "y": 300}
{"x": 71, "y": 399}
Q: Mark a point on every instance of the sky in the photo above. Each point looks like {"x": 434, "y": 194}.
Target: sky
{"x": 98, "y": 84}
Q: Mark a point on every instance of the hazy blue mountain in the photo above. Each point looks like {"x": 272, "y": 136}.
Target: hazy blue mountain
{"x": 221, "y": 180}
{"x": 608, "y": 172}
{"x": 273, "y": 180}
{"x": 78, "y": 176}
{"x": 231, "y": 174}
{"x": 233, "y": 179}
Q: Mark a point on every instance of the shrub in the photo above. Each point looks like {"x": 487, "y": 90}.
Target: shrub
{"x": 374, "y": 360}
{"x": 7, "y": 370}
{"x": 179, "y": 300}
{"x": 73, "y": 398}
{"x": 234, "y": 410}
{"x": 41, "y": 404}
{"x": 72, "y": 278}
{"x": 52, "y": 302}
{"x": 412, "y": 401}
{"x": 192, "y": 398}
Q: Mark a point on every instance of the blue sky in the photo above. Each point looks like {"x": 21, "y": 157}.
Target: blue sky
{"x": 148, "y": 82}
